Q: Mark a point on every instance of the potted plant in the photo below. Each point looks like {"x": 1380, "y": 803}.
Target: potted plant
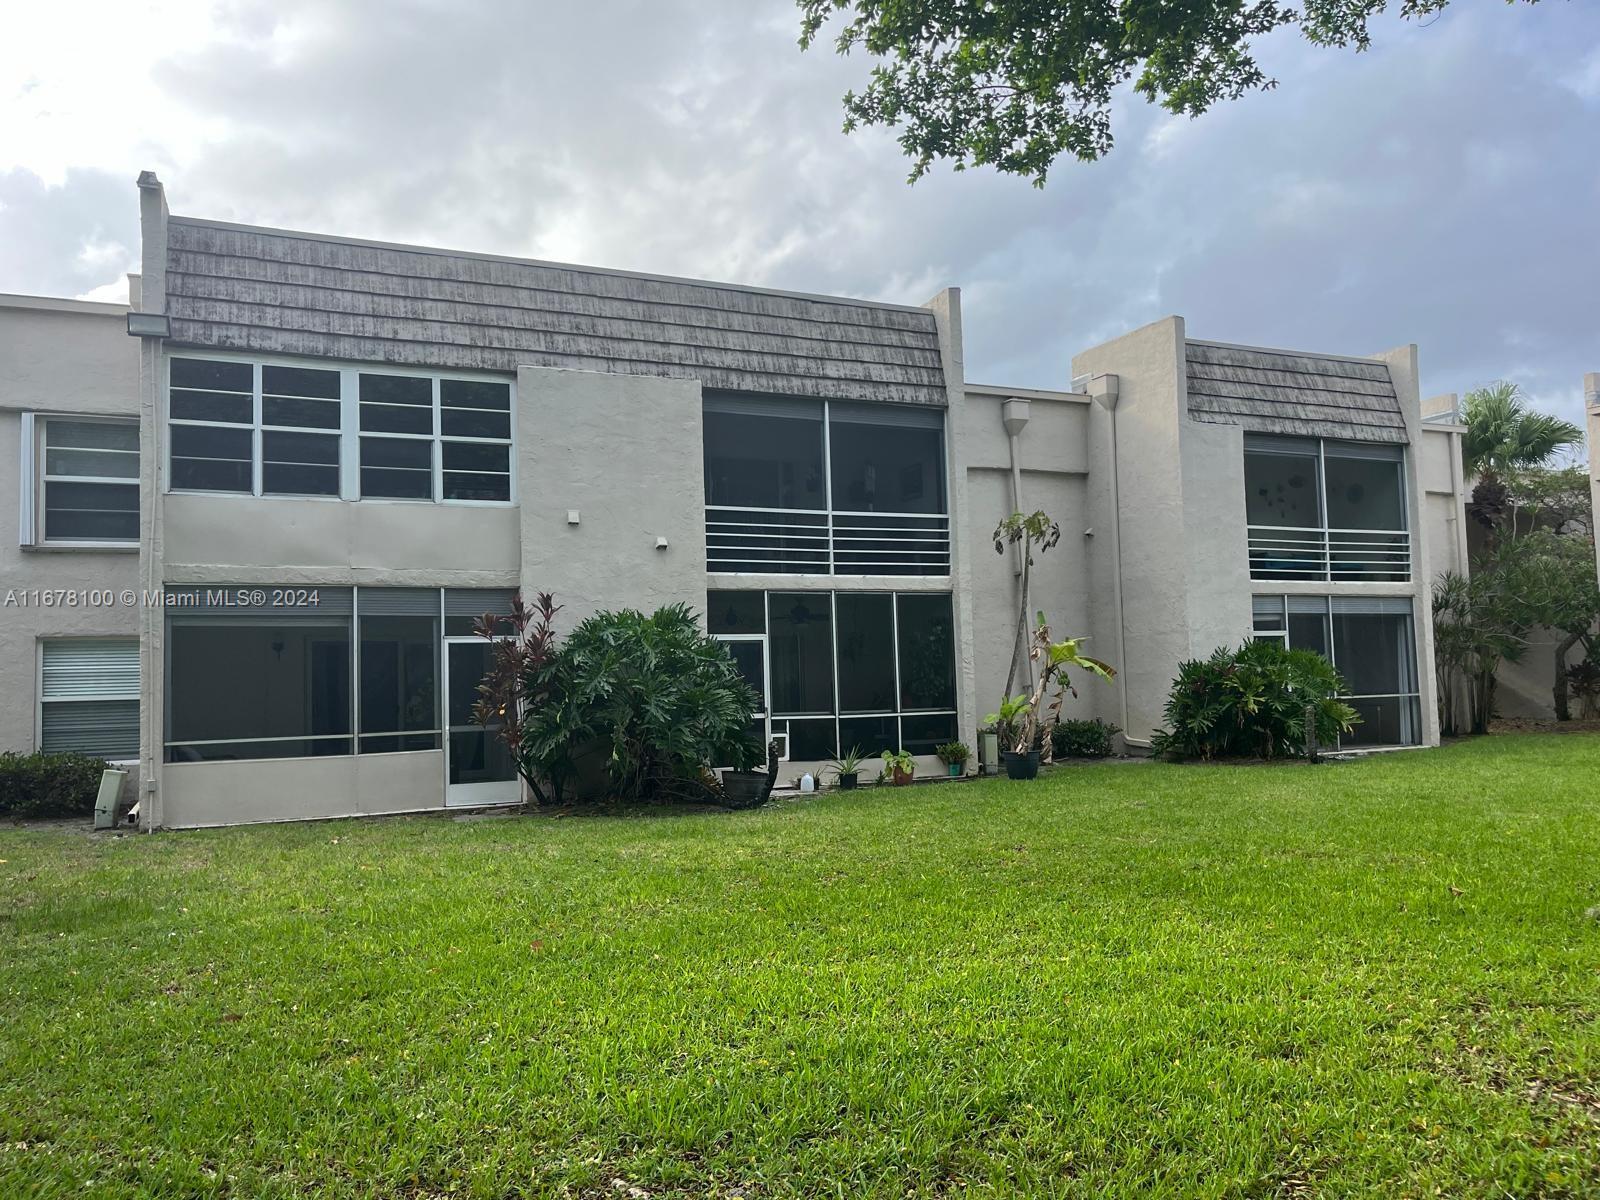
{"x": 954, "y": 755}
{"x": 847, "y": 768}
{"x": 1023, "y": 721}
{"x": 899, "y": 766}
{"x": 1020, "y": 762}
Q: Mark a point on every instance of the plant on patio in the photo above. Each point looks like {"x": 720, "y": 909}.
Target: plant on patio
{"x": 1251, "y": 703}
{"x": 898, "y": 766}
{"x": 650, "y": 701}
{"x": 954, "y": 755}
{"x": 847, "y": 768}
{"x": 48, "y": 785}
{"x": 1082, "y": 739}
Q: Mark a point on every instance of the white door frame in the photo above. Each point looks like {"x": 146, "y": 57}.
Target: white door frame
{"x": 470, "y": 795}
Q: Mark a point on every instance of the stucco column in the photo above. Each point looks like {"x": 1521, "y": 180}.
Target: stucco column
{"x": 946, "y": 309}
{"x": 152, "y": 357}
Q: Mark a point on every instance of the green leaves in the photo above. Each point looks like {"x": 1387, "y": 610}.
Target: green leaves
{"x": 1251, "y": 703}
{"x": 1504, "y": 434}
{"x": 1017, "y": 84}
{"x": 652, "y": 695}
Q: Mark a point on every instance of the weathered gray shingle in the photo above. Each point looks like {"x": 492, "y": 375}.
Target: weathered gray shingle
{"x": 1269, "y": 391}
{"x": 269, "y": 291}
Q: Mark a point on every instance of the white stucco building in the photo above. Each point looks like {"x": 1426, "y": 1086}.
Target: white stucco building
{"x": 325, "y": 455}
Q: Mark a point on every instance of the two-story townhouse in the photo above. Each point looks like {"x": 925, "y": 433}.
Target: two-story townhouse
{"x": 349, "y": 449}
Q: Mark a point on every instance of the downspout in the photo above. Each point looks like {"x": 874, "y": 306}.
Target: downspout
{"x": 1014, "y": 415}
{"x": 1104, "y": 389}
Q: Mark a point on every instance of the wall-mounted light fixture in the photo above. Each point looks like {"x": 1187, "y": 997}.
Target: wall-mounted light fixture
{"x": 151, "y": 325}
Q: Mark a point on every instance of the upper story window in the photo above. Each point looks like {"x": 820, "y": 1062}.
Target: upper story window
{"x": 1326, "y": 511}
{"x": 824, "y": 487}
{"x": 81, "y": 481}
{"x": 270, "y": 429}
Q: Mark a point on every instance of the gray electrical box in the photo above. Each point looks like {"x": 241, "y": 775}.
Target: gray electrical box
{"x": 105, "y": 804}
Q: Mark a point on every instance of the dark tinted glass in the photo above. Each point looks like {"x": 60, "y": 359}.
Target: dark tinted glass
{"x": 1374, "y": 653}
{"x": 299, "y": 381}
{"x": 93, "y": 512}
{"x": 212, "y": 375}
{"x": 871, "y": 736}
{"x": 927, "y": 651}
{"x": 463, "y": 486}
{"x": 1364, "y": 493}
{"x": 396, "y": 418}
{"x": 754, "y": 461}
{"x": 476, "y": 456}
{"x": 466, "y": 422}
{"x": 800, "y": 651}
{"x": 1281, "y": 489}
{"x": 399, "y": 675}
{"x": 396, "y": 389}
{"x": 315, "y": 414}
{"x": 923, "y": 733}
{"x": 464, "y": 393}
{"x": 865, "y": 629}
{"x": 812, "y": 741}
{"x": 886, "y": 468}
{"x": 736, "y": 612}
{"x": 210, "y": 406}
{"x": 207, "y": 458}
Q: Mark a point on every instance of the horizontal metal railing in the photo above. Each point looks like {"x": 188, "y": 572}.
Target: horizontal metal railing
{"x": 785, "y": 541}
{"x": 1330, "y": 555}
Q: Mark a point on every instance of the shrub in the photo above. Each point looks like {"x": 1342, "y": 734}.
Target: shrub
{"x": 49, "y": 785}
{"x": 651, "y": 697}
{"x": 1082, "y": 739}
{"x": 1251, "y": 703}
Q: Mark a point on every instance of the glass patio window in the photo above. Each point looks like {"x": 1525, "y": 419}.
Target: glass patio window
{"x": 1371, "y": 641}
{"x": 871, "y": 670}
{"x": 812, "y": 487}
{"x": 1326, "y": 511}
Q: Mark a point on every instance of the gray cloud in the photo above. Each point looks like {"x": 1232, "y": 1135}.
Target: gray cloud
{"x": 1441, "y": 189}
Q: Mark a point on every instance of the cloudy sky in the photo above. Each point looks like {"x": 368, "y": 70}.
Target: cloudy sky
{"x": 1443, "y": 188}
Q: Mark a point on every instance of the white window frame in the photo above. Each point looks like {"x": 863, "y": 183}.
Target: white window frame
{"x": 33, "y": 527}
{"x": 897, "y": 715}
{"x": 1281, "y": 636}
{"x": 41, "y": 700}
{"x": 349, "y": 431}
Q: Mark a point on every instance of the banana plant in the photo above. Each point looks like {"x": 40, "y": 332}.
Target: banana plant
{"x": 1054, "y": 661}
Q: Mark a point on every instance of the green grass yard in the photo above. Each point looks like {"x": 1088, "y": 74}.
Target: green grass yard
{"x": 1360, "y": 978}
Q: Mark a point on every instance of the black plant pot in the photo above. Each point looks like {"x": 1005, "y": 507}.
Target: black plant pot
{"x": 1022, "y": 766}
{"x": 847, "y": 782}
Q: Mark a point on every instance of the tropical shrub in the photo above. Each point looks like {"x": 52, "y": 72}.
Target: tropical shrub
{"x": 652, "y": 698}
{"x": 49, "y": 785}
{"x": 1251, "y": 703}
{"x": 1082, "y": 739}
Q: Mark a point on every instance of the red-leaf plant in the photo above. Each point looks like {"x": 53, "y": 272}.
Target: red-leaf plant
{"x": 521, "y": 676}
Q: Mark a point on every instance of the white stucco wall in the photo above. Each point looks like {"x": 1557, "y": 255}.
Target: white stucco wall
{"x": 1053, "y": 452}
{"x": 1136, "y": 498}
{"x": 625, "y": 452}
{"x": 62, "y": 357}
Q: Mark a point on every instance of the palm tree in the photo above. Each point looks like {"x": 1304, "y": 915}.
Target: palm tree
{"x": 1504, "y": 434}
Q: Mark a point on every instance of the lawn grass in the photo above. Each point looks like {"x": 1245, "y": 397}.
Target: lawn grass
{"x": 1359, "y": 978}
